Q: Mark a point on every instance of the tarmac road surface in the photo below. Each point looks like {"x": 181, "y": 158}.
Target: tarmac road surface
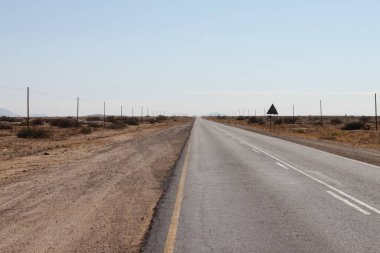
{"x": 239, "y": 191}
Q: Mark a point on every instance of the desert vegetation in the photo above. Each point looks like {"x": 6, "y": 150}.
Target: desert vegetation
{"x": 61, "y": 127}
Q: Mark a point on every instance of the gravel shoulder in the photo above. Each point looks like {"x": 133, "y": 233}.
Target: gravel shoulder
{"x": 98, "y": 197}
{"x": 358, "y": 153}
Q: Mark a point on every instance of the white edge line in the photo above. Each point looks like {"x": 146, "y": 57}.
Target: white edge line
{"x": 348, "y": 203}
{"x": 281, "y": 165}
{"x": 321, "y": 182}
{"x": 255, "y": 150}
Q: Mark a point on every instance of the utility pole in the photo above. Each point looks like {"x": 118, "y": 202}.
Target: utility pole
{"x": 320, "y": 108}
{"x": 121, "y": 114}
{"x": 293, "y": 113}
{"x": 375, "y": 112}
{"x": 255, "y": 113}
{"x": 27, "y": 105}
{"x": 77, "y": 111}
{"x": 142, "y": 112}
{"x": 104, "y": 114}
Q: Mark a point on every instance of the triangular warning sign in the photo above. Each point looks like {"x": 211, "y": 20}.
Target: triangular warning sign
{"x": 272, "y": 110}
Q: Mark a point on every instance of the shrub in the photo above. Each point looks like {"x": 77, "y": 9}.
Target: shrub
{"x": 252, "y": 120}
{"x": 289, "y": 120}
{"x": 8, "y": 119}
{"x": 93, "y": 124}
{"x": 38, "y": 122}
{"x": 240, "y": 118}
{"x": 365, "y": 119}
{"x": 355, "y": 126}
{"x": 278, "y": 121}
{"x": 86, "y": 130}
{"x": 336, "y": 121}
{"x": 5, "y": 126}
{"x": 32, "y": 133}
{"x": 133, "y": 121}
{"x": 94, "y": 118}
{"x": 63, "y": 123}
{"x": 221, "y": 117}
{"x": 117, "y": 125}
{"x": 161, "y": 118}
{"x": 260, "y": 121}
{"x": 153, "y": 120}
{"x": 112, "y": 119}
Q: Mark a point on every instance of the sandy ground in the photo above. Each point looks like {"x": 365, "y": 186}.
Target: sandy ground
{"x": 92, "y": 193}
{"x": 366, "y": 151}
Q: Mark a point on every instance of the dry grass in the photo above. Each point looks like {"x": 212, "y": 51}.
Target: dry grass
{"x": 11, "y": 146}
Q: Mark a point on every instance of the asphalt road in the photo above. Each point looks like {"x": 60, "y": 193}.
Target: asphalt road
{"x": 239, "y": 191}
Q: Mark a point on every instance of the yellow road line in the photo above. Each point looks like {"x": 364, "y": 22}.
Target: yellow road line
{"x": 172, "y": 233}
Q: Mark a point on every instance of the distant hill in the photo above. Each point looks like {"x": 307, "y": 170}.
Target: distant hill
{"x": 5, "y": 112}
{"x": 38, "y": 115}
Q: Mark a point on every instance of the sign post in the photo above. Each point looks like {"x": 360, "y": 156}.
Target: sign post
{"x": 271, "y": 112}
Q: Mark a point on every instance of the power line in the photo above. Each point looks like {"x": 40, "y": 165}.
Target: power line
{"x": 11, "y": 88}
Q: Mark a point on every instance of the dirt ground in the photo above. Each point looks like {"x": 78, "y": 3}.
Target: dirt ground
{"x": 85, "y": 193}
{"x": 362, "y": 145}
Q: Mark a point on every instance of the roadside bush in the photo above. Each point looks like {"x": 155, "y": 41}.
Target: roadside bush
{"x": 252, "y": 120}
{"x": 93, "y": 124}
{"x": 161, "y": 118}
{"x": 38, "y": 122}
{"x": 32, "y": 133}
{"x": 355, "y": 126}
{"x": 278, "y": 121}
{"x": 5, "y": 126}
{"x": 86, "y": 130}
{"x": 133, "y": 121}
{"x": 112, "y": 119}
{"x": 221, "y": 117}
{"x": 8, "y": 119}
{"x": 152, "y": 120}
{"x": 336, "y": 121}
{"x": 240, "y": 118}
{"x": 260, "y": 121}
{"x": 289, "y": 120}
{"x": 365, "y": 119}
{"x": 63, "y": 123}
{"x": 117, "y": 125}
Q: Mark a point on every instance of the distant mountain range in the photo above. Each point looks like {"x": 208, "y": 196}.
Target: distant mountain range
{"x": 5, "y": 112}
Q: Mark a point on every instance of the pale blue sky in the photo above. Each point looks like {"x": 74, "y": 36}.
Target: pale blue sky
{"x": 193, "y": 57}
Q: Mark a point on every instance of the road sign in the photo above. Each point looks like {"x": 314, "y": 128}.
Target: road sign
{"x": 272, "y": 110}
